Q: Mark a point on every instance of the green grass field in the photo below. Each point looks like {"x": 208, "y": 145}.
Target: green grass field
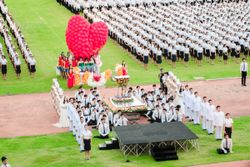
{"x": 43, "y": 23}
{"x": 62, "y": 150}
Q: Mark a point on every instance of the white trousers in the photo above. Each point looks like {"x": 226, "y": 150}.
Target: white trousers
{"x": 196, "y": 117}
{"x": 191, "y": 114}
{"x": 218, "y": 132}
{"x": 70, "y": 126}
{"x": 204, "y": 123}
{"x": 210, "y": 127}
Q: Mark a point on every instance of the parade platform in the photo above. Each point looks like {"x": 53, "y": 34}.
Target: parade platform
{"x": 138, "y": 139}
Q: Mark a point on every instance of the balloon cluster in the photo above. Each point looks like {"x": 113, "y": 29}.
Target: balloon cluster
{"x": 85, "y": 40}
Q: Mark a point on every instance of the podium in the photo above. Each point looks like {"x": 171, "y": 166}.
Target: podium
{"x": 121, "y": 101}
{"x": 122, "y": 82}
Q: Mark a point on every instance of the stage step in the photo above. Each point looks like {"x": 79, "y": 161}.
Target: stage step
{"x": 109, "y": 145}
{"x": 163, "y": 154}
{"x": 102, "y": 147}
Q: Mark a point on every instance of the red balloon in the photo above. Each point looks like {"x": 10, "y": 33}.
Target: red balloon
{"x": 97, "y": 77}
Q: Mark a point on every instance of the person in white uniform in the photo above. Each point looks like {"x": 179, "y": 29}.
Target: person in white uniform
{"x": 204, "y": 108}
{"x": 210, "y": 117}
{"x": 5, "y": 162}
{"x": 64, "y": 117}
{"x": 226, "y": 145}
{"x": 196, "y": 108}
{"x": 219, "y": 119}
{"x": 122, "y": 121}
{"x": 103, "y": 129}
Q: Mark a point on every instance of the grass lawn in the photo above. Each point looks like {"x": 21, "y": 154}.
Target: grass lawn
{"x": 43, "y": 23}
{"x": 62, "y": 150}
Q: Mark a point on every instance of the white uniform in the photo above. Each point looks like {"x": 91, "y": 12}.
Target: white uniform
{"x": 103, "y": 129}
{"x": 210, "y": 119}
{"x": 204, "y": 112}
{"x": 219, "y": 119}
{"x": 196, "y": 109}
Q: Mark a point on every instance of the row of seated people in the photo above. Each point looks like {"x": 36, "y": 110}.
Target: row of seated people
{"x": 16, "y": 31}
{"x": 179, "y": 31}
{"x": 66, "y": 62}
{"x": 76, "y": 6}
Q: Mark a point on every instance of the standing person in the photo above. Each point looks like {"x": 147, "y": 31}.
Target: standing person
{"x": 145, "y": 58}
{"x": 225, "y": 54}
{"x": 219, "y": 119}
{"x": 210, "y": 117}
{"x": 5, "y": 162}
{"x": 66, "y": 67}
{"x": 226, "y": 145}
{"x": 196, "y": 108}
{"x": 87, "y": 137}
{"x": 32, "y": 64}
{"x": 204, "y": 108}
{"x": 4, "y": 67}
{"x": 186, "y": 56}
{"x": 161, "y": 75}
{"x": 228, "y": 124}
{"x": 71, "y": 79}
{"x": 173, "y": 57}
{"x": 243, "y": 70}
{"x": 18, "y": 67}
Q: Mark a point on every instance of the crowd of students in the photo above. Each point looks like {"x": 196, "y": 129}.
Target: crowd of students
{"x": 180, "y": 30}
{"x": 199, "y": 110}
{"x": 12, "y": 51}
{"x": 167, "y": 103}
{"x": 76, "y": 6}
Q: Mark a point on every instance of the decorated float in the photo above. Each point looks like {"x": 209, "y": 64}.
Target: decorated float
{"x": 84, "y": 41}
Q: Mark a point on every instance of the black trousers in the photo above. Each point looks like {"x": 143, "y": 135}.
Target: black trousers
{"x": 243, "y": 77}
{"x": 220, "y": 151}
{"x": 228, "y": 131}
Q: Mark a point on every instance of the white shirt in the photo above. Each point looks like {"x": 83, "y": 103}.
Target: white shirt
{"x": 228, "y": 122}
{"x": 4, "y": 62}
{"x": 87, "y": 134}
{"x": 244, "y": 66}
{"x": 103, "y": 129}
{"x": 227, "y": 144}
{"x": 219, "y": 118}
{"x": 122, "y": 121}
{"x": 7, "y": 165}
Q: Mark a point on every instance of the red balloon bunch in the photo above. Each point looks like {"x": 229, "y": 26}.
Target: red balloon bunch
{"x": 85, "y": 40}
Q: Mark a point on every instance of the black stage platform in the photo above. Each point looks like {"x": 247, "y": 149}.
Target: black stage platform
{"x": 137, "y": 139}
